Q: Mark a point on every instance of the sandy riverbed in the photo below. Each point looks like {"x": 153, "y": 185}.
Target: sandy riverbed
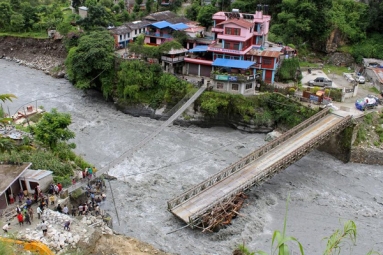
{"x": 323, "y": 190}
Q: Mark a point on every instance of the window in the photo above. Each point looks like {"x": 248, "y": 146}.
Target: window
{"x": 139, "y": 31}
{"x": 219, "y": 85}
{"x": 249, "y": 85}
{"x": 128, "y": 35}
{"x": 236, "y": 46}
{"x": 232, "y": 31}
{"x": 135, "y": 31}
{"x": 120, "y": 37}
{"x": 236, "y": 58}
{"x": 234, "y": 86}
{"x": 267, "y": 61}
{"x": 227, "y": 45}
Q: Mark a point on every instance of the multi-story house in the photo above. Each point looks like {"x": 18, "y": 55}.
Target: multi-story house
{"x": 127, "y": 32}
{"x": 236, "y": 57}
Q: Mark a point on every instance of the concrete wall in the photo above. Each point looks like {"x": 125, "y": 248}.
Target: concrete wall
{"x": 340, "y": 145}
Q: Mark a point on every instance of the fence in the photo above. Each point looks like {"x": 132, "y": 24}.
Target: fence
{"x": 278, "y": 166}
{"x": 243, "y": 162}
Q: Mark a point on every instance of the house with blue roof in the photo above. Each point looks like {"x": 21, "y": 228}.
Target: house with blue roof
{"x": 162, "y": 31}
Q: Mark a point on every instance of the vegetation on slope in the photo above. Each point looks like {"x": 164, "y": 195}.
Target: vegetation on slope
{"x": 47, "y": 147}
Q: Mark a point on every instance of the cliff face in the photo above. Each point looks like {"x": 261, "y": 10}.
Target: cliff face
{"x": 331, "y": 44}
{"x": 42, "y": 54}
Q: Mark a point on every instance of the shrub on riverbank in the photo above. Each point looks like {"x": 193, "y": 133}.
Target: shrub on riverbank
{"x": 264, "y": 110}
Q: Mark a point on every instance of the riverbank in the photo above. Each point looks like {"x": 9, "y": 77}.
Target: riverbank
{"x": 323, "y": 190}
{"x": 47, "y": 55}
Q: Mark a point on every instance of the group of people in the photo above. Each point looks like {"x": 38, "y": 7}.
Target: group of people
{"x": 25, "y": 214}
{"x": 89, "y": 172}
{"x": 55, "y": 189}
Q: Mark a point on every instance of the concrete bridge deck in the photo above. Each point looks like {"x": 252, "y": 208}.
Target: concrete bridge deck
{"x": 200, "y": 201}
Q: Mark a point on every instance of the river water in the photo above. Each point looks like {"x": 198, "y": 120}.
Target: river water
{"x": 324, "y": 192}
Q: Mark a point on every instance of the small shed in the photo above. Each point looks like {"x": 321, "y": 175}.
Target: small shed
{"x": 10, "y": 185}
{"x": 31, "y": 178}
{"x": 83, "y": 11}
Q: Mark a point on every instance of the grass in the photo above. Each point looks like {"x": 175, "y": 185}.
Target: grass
{"x": 373, "y": 90}
{"x": 37, "y": 35}
{"x": 307, "y": 64}
{"x": 339, "y": 70}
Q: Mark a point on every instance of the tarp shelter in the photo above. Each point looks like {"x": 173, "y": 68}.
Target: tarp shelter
{"x": 10, "y": 183}
{"x": 31, "y": 178}
{"x": 199, "y": 48}
{"x": 242, "y": 64}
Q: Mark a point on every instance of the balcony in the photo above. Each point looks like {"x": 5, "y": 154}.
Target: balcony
{"x": 217, "y": 29}
{"x": 160, "y": 35}
{"x": 231, "y": 77}
{"x": 173, "y": 60}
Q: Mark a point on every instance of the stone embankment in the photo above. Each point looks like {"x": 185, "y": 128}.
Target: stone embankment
{"x": 47, "y": 55}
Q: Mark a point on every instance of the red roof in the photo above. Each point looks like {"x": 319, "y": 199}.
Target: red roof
{"x": 264, "y": 53}
{"x": 239, "y": 22}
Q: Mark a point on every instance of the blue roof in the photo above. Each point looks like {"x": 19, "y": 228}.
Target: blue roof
{"x": 199, "y": 48}
{"x": 179, "y": 26}
{"x": 162, "y": 24}
{"x": 243, "y": 64}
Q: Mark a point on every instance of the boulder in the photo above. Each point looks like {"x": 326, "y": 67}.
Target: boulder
{"x": 272, "y": 135}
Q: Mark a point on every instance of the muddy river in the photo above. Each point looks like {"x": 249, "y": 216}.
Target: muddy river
{"x": 324, "y": 192}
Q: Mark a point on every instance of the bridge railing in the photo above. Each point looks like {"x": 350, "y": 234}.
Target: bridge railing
{"x": 279, "y": 165}
{"x": 243, "y": 162}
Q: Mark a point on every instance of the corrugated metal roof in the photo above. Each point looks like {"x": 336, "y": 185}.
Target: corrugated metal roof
{"x": 158, "y": 16}
{"x": 177, "y": 51}
{"x": 179, "y": 26}
{"x": 379, "y": 74}
{"x": 199, "y": 48}
{"x": 36, "y": 174}
{"x": 11, "y": 173}
{"x": 264, "y": 53}
{"x": 243, "y": 64}
{"x": 161, "y": 24}
{"x": 239, "y": 22}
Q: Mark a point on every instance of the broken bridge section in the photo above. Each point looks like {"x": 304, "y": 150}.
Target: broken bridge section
{"x": 256, "y": 167}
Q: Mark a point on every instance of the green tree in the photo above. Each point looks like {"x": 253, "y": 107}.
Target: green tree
{"x": 15, "y": 5}
{"x": 181, "y": 37}
{"x": 17, "y": 22}
{"x": 192, "y": 11}
{"x": 91, "y": 63}
{"x": 148, "y": 5}
{"x": 53, "y": 129}
{"x": 97, "y": 17}
{"x": 5, "y": 15}
{"x": 205, "y": 15}
{"x": 30, "y": 15}
{"x": 121, "y": 3}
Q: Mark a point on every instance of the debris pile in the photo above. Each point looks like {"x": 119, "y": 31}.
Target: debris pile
{"x": 58, "y": 239}
{"x": 223, "y": 213}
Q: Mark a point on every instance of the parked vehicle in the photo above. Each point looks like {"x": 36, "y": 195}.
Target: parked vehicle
{"x": 369, "y": 102}
{"x": 360, "y": 79}
{"x": 321, "y": 81}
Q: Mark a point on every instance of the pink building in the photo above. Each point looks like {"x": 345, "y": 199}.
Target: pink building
{"x": 237, "y": 55}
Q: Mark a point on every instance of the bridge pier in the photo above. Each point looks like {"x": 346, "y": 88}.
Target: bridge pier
{"x": 339, "y": 145}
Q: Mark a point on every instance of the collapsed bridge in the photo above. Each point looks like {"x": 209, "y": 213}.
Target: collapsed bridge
{"x": 257, "y": 167}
